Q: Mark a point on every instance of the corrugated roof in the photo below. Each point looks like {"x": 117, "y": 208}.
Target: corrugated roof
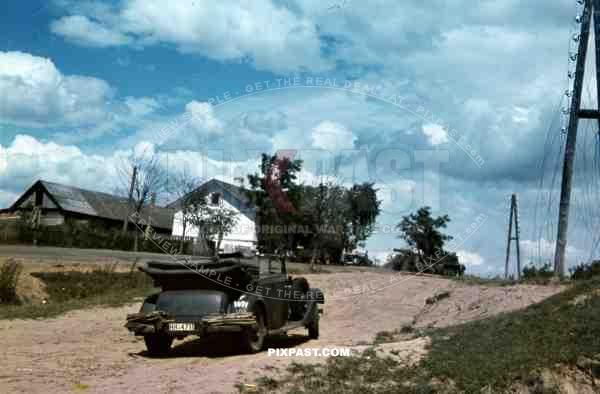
{"x": 104, "y": 205}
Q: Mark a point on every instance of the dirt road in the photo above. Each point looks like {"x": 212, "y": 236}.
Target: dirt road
{"x": 90, "y": 350}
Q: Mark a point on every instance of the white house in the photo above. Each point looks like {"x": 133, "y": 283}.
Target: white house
{"x": 243, "y": 236}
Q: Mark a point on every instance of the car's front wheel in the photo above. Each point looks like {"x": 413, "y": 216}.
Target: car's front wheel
{"x": 254, "y": 339}
{"x": 158, "y": 345}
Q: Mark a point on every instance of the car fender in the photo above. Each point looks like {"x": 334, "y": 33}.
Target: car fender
{"x": 257, "y": 301}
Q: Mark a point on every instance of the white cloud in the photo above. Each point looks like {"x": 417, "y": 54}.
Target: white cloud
{"x": 70, "y": 108}
{"x": 3, "y": 160}
{"x": 332, "y": 137}
{"x": 141, "y": 106}
{"x": 271, "y": 36}
{"x": 81, "y": 30}
{"x": 29, "y": 159}
{"x": 521, "y": 115}
{"x": 435, "y": 133}
{"x": 7, "y": 198}
{"x": 469, "y": 259}
{"x": 203, "y": 117}
{"x": 545, "y": 249}
{"x": 143, "y": 149}
{"x": 36, "y": 93}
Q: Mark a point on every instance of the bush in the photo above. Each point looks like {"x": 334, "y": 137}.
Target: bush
{"x": 9, "y": 232}
{"x": 585, "y": 271}
{"x": 531, "y": 272}
{"x": 445, "y": 263}
{"x": 9, "y": 276}
{"x": 77, "y": 285}
{"x": 85, "y": 235}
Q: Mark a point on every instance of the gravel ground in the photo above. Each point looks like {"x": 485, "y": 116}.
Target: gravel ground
{"x": 90, "y": 350}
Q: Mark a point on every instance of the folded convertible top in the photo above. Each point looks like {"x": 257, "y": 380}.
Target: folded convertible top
{"x": 203, "y": 274}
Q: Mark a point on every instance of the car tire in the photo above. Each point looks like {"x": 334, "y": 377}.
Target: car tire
{"x": 313, "y": 326}
{"x": 158, "y": 345}
{"x": 297, "y": 307}
{"x": 254, "y": 339}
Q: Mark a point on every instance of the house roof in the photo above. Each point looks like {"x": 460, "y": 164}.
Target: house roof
{"x": 234, "y": 195}
{"x": 97, "y": 204}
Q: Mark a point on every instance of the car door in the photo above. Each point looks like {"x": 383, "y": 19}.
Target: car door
{"x": 272, "y": 286}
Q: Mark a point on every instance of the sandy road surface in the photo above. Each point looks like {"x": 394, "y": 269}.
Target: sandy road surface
{"x": 90, "y": 350}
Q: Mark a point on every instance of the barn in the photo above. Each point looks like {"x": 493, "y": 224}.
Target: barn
{"x": 54, "y": 203}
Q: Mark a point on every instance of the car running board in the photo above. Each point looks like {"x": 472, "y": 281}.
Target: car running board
{"x": 308, "y": 315}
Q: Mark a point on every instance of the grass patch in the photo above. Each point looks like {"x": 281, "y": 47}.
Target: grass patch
{"x": 80, "y": 387}
{"x": 77, "y": 290}
{"x": 508, "y": 347}
{"x": 479, "y": 281}
{"x": 9, "y": 276}
{"x": 363, "y": 373}
{"x": 385, "y": 336}
{"x": 495, "y": 352}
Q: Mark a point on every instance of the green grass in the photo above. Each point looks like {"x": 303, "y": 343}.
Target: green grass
{"x": 479, "y": 281}
{"x": 78, "y": 290}
{"x": 363, "y": 373}
{"x": 498, "y": 351}
{"x": 541, "y": 280}
{"x": 510, "y": 346}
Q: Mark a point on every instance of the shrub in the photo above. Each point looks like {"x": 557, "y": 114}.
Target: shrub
{"x": 9, "y": 276}
{"x": 531, "y": 272}
{"x": 9, "y": 232}
{"x": 444, "y": 263}
{"x": 85, "y": 235}
{"x": 77, "y": 285}
{"x": 585, "y": 270}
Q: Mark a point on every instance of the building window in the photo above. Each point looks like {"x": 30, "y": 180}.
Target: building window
{"x": 215, "y": 198}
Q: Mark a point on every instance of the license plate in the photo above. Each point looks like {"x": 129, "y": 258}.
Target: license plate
{"x": 181, "y": 327}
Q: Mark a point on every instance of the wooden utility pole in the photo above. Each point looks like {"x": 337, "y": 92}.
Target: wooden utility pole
{"x": 129, "y": 200}
{"x": 575, "y": 114}
{"x": 513, "y": 218}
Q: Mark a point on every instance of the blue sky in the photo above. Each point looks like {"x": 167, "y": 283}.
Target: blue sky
{"x": 85, "y": 82}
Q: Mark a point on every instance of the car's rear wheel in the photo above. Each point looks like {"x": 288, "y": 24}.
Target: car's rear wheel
{"x": 254, "y": 339}
{"x": 313, "y": 326}
{"x": 297, "y": 306}
{"x": 158, "y": 345}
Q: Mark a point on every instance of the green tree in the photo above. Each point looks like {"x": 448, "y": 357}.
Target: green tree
{"x": 422, "y": 232}
{"x": 221, "y": 222}
{"x": 184, "y": 188}
{"x": 212, "y": 222}
{"x": 269, "y": 220}
{"x": 363, "y": 207}
{"x": 343, "y": 218}
{"x": 326, "y": 213}
{"x": 337, "y": 218}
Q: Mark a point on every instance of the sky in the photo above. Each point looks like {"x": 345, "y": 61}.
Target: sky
{"x": 453, "y": 104}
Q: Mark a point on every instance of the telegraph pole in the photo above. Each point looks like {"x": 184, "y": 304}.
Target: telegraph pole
{"x": 575, "y": 114}
{"x": 513, "y": 218}
{"x": 129, "y": 200}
